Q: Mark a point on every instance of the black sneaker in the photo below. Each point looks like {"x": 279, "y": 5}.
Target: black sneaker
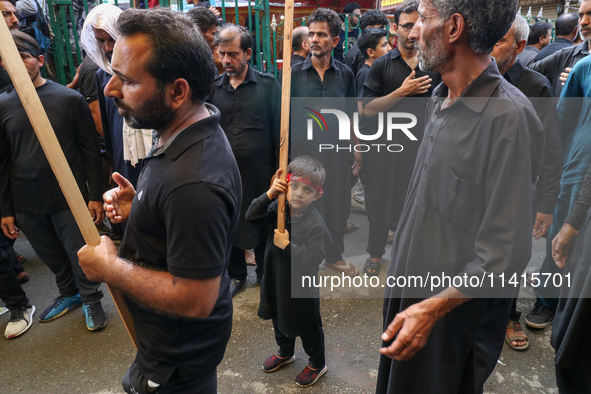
{"x": 21, "y": 320}
{"x": 236, "y": 285}
{"x": 540, "y": 316}
{"x": 274, "y": 362}
{"x": 309, "y": 375}
{"x": 95, "y": 316}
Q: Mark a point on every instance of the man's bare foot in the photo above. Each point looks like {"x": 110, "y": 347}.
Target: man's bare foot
{"x": 249, "y": 257}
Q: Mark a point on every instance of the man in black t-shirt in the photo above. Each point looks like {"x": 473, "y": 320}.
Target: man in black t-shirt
{"x": 183, "y": 218}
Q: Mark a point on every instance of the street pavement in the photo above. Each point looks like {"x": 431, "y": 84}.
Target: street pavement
{"x": 64, "y": 357}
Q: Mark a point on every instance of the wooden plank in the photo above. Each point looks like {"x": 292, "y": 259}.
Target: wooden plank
{"x": 285, "y": 106}
{"x": 53, "y": 151}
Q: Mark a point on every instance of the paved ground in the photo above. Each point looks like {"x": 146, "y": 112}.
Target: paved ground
{"x": 63, "y": 357}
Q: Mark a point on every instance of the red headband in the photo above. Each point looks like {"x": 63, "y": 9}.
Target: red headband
{"x": 291, "y": 178}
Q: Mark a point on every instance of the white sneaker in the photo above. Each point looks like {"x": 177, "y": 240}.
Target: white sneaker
{"x": 21, "y": 320}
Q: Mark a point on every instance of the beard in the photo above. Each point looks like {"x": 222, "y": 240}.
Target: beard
{"x": 433, "y": 54}
{"x": 502, "y": 62}
{"x": 151, "y": 114}
{"x": 237, "y": 72}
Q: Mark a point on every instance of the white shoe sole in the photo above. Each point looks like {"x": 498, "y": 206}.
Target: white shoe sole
{"x": 27, "y": 327}
{"x": 321, "y": 374}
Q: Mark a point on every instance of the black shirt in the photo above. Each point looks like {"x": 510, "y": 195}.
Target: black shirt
{"x": 339, "y": 50}
{"x": 552, "y": 66}
{"x": 4, "y": 78}
{"x": 27, "y": 183}
{"x": 360, "y": 80}
{"x": 251, "y": 118}
{"x": 558, "y": 44}
{"x": 295, "y": 59}
{"x": 87, "y": 82}
{"x": 183, "y": 220}
{"x": 354, "y": 59}
{"x": 534, "y": 85}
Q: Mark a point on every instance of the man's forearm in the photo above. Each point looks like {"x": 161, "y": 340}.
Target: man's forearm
{"x": 381, "y": 104}
{"x": 162, "y": 291}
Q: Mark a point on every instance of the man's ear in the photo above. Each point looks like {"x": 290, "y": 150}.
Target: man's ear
{"x": 180, "y": 92}
{"x": 305, "y": 46}
{"x": 519, "y": 47}
{"x": 456, "y": 26}
{"x": 248, "y": 54}
{"x": 41, "y": 59}
{"x": 371, "y": 53}
{"x": 335, "y": 41}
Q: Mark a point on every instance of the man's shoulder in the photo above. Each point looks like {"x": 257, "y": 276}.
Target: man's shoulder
{"x": 265, "y": 77}
{"x": 582, "y": 66}
{"x": 60, "y": 92}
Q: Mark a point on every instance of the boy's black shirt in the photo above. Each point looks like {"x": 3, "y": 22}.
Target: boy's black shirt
{"x": 284, "y": 268}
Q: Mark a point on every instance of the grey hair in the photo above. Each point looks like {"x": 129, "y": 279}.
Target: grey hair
{"x": 521, "y": 28}
{"x": 487, "y": 21}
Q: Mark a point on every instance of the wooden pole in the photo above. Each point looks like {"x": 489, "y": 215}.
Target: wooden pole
{"x": 36, "y": 113}
{"x": 285, "y": 106}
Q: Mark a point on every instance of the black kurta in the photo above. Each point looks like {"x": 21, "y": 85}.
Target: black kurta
{"x": 391, "y": 171}
{"x": 297, "y": 312}
{"x": 552, "y": 66}
{"x": 570, "y": 331}
{"x": 336, "y": 91}
{"x": 468, "y": 210}
{"x": 250, "y": 117}
{"x": 538, "y": 89}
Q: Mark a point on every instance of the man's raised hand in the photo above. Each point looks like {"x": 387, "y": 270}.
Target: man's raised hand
{"x": 413, "y": 86}
{"x": 117, "y": 201}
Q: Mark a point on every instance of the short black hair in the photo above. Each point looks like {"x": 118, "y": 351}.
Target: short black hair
{"x": 370, "y": 39}
{"x": 178, "y": 48}
{"x": 537, "y": 31}
{"x": 408, "y": 7}
{"x": 373, "y": 18}
{"x": 230, "y": 31}
{"x": 566, "y": 24}
{"x": 203, "y": 18}
{"x": 349, "y": 8}
{"x": 328, "y": 16}
{"x": 309, "y": 168}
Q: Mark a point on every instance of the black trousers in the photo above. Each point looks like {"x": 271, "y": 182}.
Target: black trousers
{"x": 11, "y": 291}
{"x": 378, "y": 236}
{"x": 237, "y": 263}
{"x": 573, "y": 381}
{"x": 515, "y": 314}
{"x": 312, "y": 341}
{"x": 135, "y": 383}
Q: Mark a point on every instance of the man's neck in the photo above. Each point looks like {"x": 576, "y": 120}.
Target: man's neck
{"x": 409, "y": 55}
{"x": 237, "y": 80}
{"x": 505, "y": 69}
{"x": 568, "y": 38}
{"x": 301, "y": 53}
{"x": 369, "y": 61}
{"x": 321, "y": 64}
{"x": 39, "y": 81}
{"x": 538, "y": 45}
{"x": 182, "y": 119}
{"x": 461, "y": 70}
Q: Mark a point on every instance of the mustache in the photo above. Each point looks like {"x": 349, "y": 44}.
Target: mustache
{"x": 119, "y": 103}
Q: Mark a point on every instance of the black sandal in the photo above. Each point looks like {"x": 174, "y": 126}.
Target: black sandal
{"x": 371, "y": 268}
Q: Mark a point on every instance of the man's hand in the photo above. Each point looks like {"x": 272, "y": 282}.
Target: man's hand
{"x": 414, "y": 324}
{"x": 542, "y": 225}
{"x": 281, "y": 240}
{"x": 564, "y": 75}
{"x": 96, "y": 211}
{"x": 8, "y": 227}
{"x": 214, "y": 10}
{"x": 358, "y": 163}
{"x": 118, "y": 200}
{"x": 277, "y": 187}
{"x": 413, "y": 86}
{"x": 563, "y": 243}
{"x": 96, "y": 261}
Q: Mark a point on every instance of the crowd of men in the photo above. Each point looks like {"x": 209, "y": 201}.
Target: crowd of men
{"x": 174, "y": 133}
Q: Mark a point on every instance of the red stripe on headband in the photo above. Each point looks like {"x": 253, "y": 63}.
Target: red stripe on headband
{"x": 291, "y": 178}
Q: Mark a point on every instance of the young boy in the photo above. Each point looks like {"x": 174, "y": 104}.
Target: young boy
{"x": 290, "y": 255}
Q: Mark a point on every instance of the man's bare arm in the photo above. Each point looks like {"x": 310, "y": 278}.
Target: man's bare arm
{"x": 192, "y": 298}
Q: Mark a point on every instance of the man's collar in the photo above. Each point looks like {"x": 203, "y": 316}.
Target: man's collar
{"x": 308, "y": 63}
{"x": 224, "y": 79}
{"x": 583, "y": 48}
{"x": 564, "y": 40}
{"x": 394, "y": 53}
{"x": 477, "y": 94}
{"x": 194, "y": 133}
{"x": 514, "y": 73}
